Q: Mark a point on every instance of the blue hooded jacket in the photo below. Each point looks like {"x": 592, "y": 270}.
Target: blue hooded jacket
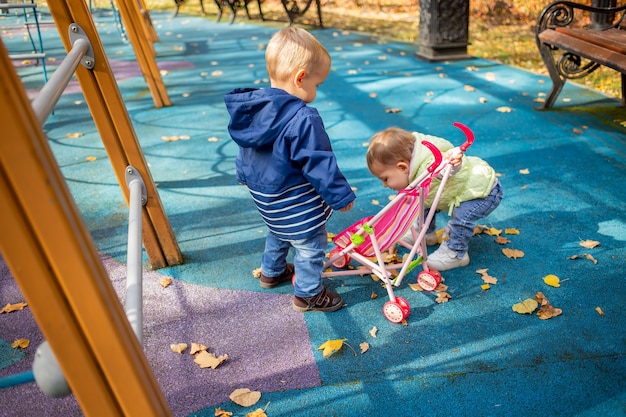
{"x": 286, "y": 161}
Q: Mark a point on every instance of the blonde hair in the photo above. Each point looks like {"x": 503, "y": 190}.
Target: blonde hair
{"x": 390, "y": 146}
{"x": 291, "y": 49}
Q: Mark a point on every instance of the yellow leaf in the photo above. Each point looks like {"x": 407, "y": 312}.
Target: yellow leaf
{"x": 74, "y": 135}
{"x": 485, "y": 287}
{"x": 526, "y": 307}
{"x": 589, "y": 244}
{"x": 524, "y": 171}
{"x": 20, "y": 343}
{"x": 256, "y": 273}
{"x": 221, "y": 413}
{"x": 331, "y": 346}
{"x": 511, "y": 231}
{"x": 244, "y": 397}
{"x": 9, "y": 308}
{"x": 469, "y": 88}
{"x": 165, "y": 282}
{"x": 552, "y": 280}
{"x": 364, "y": 347}
{"x": 599, "y": 310}
{"x": 179, "y": 347}
{"x": 209, "y": 360}
{"x": 91, "y": 158}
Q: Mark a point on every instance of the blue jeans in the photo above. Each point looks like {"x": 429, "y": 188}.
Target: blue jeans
{"x": 308, "y": 261}
{"x": 464, "y": 218}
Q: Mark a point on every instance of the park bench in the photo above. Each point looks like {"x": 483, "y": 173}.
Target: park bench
{"x": 576, "y": 39}
{"x": 293, "y": 8}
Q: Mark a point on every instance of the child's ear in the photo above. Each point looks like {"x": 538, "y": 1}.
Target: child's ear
{"x": 300, "y": 74}
{"x": 403, "y": 166}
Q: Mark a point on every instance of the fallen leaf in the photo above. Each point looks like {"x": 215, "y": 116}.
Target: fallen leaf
{"x": 331, "y": 346}
{"x": 74, "y": 135}
{"x": 528, "y": 306}
{"x": 485, "y": 287}
{"x": 221, "y": 413}
{"x": 482, "y": 100}
{"x": 469, "y": 88}
{"x": 91, "y": 158}
{"x": 9, "y": 308}
{"x": 589, "y": 244}
{"x": 374, "y": 295}
{"x": 546, "y": 311}
{"x": 256, "y": 273}
{"x": 396, "y": 110}
{"x": 209, "y": 360}
{"x": 599, "y": 310}
{"x": 513, "y": 253}
{"x": 213, "y": 139}
{"x": 197, "y": 347}
{"x": 442, "y": 297}
{"x": 552, "y": 280}
{"x": 259, "y": 412}
{"x": 502, "y": 240}
{"x": 245, "y": 397}
{"x": 586, "y": 256}
{"x": 577, "y": 131}
{"x": 525, "y": 171}
{"x": 374, "y": 331}
{"x": 511, "y": 231}
{"x": 20, "y": 343}
{"x": 364, "y": 347}
{"x": 165, "y": 282}
{"x": 415, "y": 287}
{"x": 504, "y": 109}
{"x": 178, "y": 347}
{"x": 375, "y": 202}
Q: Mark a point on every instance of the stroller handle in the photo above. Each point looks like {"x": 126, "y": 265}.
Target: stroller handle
{"x": 436, "y": 153}
{"x": 469, "y": 135}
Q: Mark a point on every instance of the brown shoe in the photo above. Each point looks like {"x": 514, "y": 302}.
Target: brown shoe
{"x": 325, "y": 301}
{"x": 271, "y": 282}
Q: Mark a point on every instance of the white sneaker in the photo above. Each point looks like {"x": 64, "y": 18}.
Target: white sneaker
{"x": 431, "y": 238}
{"x": 445, "y": 258}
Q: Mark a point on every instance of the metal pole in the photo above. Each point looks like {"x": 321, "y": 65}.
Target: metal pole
{"x": 134, "y": 283}
{"x": 46, "y": 100}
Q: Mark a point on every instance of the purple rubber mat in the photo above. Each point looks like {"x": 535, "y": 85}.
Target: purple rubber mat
{"x": 247, "y": 326}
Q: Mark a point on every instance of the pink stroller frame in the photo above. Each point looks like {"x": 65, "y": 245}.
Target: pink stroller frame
{"x": 366, "y": 240}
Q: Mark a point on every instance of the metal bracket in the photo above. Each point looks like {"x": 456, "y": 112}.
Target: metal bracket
{"x": 76, "y": 32}
{"x": 133, "y": 175}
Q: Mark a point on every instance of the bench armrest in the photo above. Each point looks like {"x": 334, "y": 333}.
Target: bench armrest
{"x": 565, "y": 13}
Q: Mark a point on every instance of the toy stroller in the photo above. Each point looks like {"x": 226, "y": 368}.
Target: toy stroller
{"x": 366, "y": 240}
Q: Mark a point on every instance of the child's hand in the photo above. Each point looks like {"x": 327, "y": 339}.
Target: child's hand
{"x": 454, "y": 156}
{"x": 348, "y": 207}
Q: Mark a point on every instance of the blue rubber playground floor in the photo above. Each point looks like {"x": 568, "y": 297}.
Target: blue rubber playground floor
{"x": 564, "y": 176}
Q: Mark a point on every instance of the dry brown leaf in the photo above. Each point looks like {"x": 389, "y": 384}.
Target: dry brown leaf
{"x": 245, "y": 397}
{"x": 395, "y": 110}
{"x": 599, "y": 310}
{"x": 197, "y": 347}
{"x": 74, "y": 135}
{"x": 256, "y": 273}
{"x": 374, "y": 295}
{"x": 546, "y": 311}
{"x": 513, "y": 253}
{"x": 364, "y": 347}
{"x": 165, "y": 282}
{"x": 586, "y": 256}
{"x": 502, "y": 240}
{"x": 441, "y": 287}
{"x": 589, "y": 244}
{"x": 469, "y": 88}
{"x": 416, "y": 287}
{"x": 9, "y": 308}
{"x": 442, "y": 297}
{"x": 209, "y": 360}
{"x": 178, "y": 347}
{"x": 374, "y": 331}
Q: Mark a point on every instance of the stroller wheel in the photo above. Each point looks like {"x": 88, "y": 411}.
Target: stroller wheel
{"x": 404, "y": 305}
{"x": 429, "y": 280}
{"x": 340, "y": 262}
{"x": 394, "y": 312}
